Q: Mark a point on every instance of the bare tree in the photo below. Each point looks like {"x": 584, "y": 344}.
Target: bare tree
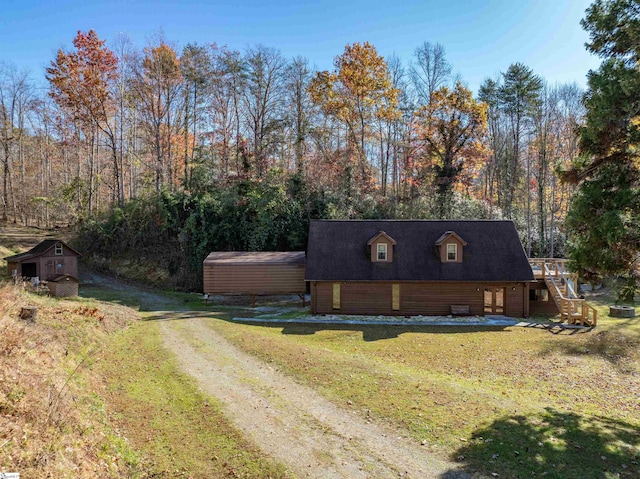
{"x": 15, "y": 94}
{"x": 263, "y": 100}
{"x": 298, "y": 107}
{"x": 429, "y": 71}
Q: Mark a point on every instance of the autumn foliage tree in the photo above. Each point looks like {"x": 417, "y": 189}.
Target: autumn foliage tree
{"x": 357, "y": 92}
{"x": 451, "y": 130}
{"x": 81, "y": 84}
{"x": 370, "y": 138}
{"x": 156, "y": 87}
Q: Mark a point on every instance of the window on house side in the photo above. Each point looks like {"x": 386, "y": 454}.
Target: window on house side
{"x": 395, "y": 297}
{"x": 382, "y": 252}
{"x": 452, "y": 252}
{"x": 336, "y": 295}
{"x": 58, "y": 249}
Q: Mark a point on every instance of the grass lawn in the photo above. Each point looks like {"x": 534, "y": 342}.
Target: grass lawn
{"x": 179, "y": 431}
{"x": 518, "y": 402}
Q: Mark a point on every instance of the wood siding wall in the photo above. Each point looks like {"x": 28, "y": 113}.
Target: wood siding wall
{"x": 254, "y": 279}
{"x": 47, "y": 265}
{"x": 416, "y": 298}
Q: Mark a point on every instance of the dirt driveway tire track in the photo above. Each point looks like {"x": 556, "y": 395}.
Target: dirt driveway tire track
{"x": 291, "y": 422}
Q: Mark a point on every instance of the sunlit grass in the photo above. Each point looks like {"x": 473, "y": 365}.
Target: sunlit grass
{"x": 443, "y": 385}
{"x": 179, "y": 430}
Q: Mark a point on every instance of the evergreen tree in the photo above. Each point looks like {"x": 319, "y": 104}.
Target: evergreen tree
{"x": 604, "y": 219}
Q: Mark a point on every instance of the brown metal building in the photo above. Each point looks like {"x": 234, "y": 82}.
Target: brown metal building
{"x": 254, "y": 273}
{"x": 417, "y": 268}
{"x": 46, "y": 260}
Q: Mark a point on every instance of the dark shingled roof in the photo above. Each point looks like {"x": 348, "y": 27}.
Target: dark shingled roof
{"x": 254, "y": 257}
{"x": 38, "y": 250}
{"x": 338, "y": 251}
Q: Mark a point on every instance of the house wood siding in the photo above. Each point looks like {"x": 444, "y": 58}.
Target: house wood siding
{"x": 259, "y": 279}
{"x": 416, "y": 298}
{"x": 437, "y": 298}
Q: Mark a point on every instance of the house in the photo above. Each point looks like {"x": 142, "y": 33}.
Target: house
{"x": 407, "y": 268}
{"x": 254, "y": 273}
{"x": 45, "y": 261}
{"x": 398, "y": 267}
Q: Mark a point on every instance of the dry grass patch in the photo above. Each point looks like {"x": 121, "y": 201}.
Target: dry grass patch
{"x": 48, "y": 427}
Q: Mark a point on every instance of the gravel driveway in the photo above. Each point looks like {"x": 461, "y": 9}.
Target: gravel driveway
{"x": 291, "y": 422}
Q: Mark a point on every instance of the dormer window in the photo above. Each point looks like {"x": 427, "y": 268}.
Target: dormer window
{"x": 452, "y": 252}
{"x": 58, "y": 249}
{"x": 450, "y": 247}
{"x": 382, "y": 251}
{"x": 381, "y": 248}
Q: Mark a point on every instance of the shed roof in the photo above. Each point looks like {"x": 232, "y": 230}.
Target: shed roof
{"x": 338, "y": 251}
{"x": 254, "y": 257}
{"x": 38, "y": 250}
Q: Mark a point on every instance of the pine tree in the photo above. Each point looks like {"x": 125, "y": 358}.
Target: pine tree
{"x": 604, "y": 219}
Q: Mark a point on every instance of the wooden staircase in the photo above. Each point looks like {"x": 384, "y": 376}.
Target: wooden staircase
{"x": 573, "y": 309}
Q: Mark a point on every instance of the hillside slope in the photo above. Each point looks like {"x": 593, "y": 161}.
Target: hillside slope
{"x": 51, "y": 425}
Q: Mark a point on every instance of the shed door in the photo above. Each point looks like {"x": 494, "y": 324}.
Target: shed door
{"x": 29, "y": 270}
{"x": 50, "y": 269}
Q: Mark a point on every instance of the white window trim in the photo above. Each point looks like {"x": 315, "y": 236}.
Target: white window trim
{"x": 382, "y": 250}
{"x": 455, "y": 252}
{"x": 58, "y": 249}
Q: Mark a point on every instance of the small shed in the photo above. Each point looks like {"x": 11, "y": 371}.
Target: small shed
{"x": 63, "y": 286}
{"x": 49, "y": 258}
{"x": 254, "y": 273}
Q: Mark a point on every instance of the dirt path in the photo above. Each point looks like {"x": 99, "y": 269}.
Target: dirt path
{"x": 291, "y": 422}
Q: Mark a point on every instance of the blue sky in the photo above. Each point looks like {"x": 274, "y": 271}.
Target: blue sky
{"x": 481, "y": 38}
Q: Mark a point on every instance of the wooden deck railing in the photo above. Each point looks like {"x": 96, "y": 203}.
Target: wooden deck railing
{"x": 556, "y": 266}
{"x": 573, "y": 309}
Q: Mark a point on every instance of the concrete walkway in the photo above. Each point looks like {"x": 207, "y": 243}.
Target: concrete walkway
{"x": 273, "y": 317}
{"x": 390, "y": 320}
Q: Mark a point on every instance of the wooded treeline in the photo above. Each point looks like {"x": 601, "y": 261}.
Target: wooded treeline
{"x": 372, "y": 138}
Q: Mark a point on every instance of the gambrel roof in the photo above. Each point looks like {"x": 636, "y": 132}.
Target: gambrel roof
{"x": 338, "y": 251}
